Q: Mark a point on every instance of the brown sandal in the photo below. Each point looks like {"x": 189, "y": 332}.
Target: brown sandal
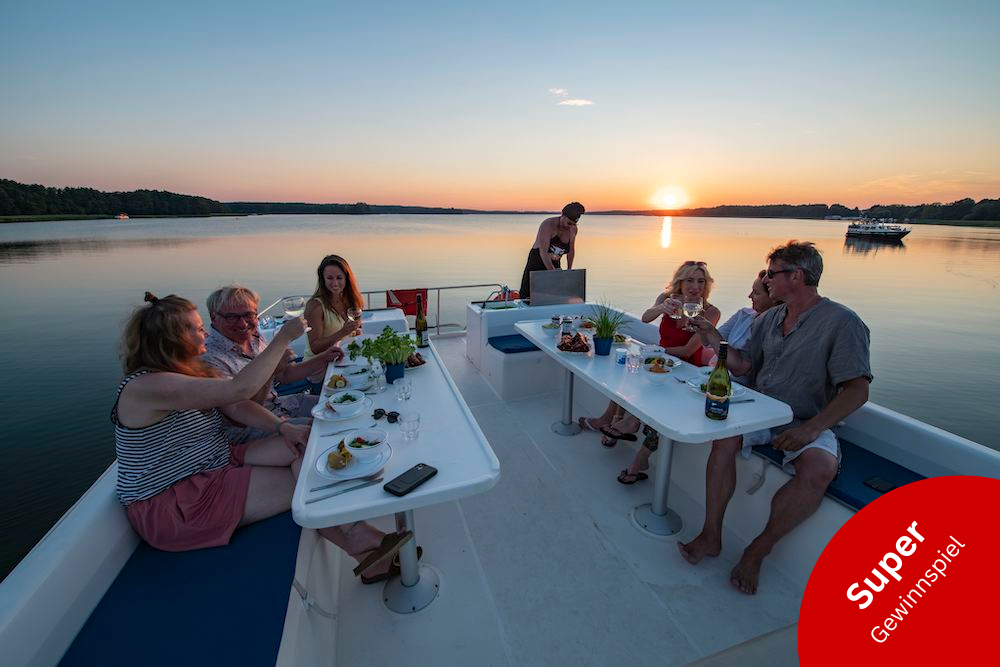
{"x": 385, "y": 550}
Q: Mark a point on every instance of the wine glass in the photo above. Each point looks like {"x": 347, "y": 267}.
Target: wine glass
{"x": 693, "y": 305}
{"x": 674, "y": 304}
{"x": 353, "y": 314}
{"x": 294, "y": 306}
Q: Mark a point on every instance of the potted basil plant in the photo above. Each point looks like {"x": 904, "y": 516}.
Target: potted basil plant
{"x": 391, "y": 348}
{"x": 607, "y": 321}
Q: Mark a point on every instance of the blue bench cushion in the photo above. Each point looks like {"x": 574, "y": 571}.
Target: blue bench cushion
{"x": 857, "y": 465}
{"x": 221, "y": 606}
{"x": 299, "y": 386}
{"x": 512, "y": 344}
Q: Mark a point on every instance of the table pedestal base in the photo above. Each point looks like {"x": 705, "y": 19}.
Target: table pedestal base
{"x": 656, "y": 524}
{"x": 565, "y": 429}
{"x": 408, "y": 599}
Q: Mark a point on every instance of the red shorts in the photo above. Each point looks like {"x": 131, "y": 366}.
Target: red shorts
{"x": 197, "y": 512}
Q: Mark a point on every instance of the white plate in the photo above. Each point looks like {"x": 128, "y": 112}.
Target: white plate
{"x": 355, "y": 468}
{"x": 695, "y": 384}
{"x": 319, "y": 411}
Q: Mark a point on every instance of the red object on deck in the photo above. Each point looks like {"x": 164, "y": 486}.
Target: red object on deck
{"x": 513, "y": 294}
{"x": 405, "y": 299}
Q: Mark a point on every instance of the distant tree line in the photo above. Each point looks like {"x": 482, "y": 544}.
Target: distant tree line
{"x": 963, "y": 209}
{"x": 360, "y": 208}
{"x": 19, "y": 199}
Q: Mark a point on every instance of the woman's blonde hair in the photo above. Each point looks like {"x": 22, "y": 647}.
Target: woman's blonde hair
{"x": 155, "y": 338}
{"x": 686, "y": 270}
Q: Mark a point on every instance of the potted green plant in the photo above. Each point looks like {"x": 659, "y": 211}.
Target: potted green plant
{"x": 390, "y": 348}
{"x": 607, "y": 321}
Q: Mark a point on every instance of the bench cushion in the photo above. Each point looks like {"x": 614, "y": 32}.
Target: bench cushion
{"x": 512, "y": 344}
{"x": 222, "y": 606}
{"x": 857, "y": 465}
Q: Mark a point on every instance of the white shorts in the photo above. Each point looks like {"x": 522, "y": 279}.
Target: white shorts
{"x": 826, "y": 441}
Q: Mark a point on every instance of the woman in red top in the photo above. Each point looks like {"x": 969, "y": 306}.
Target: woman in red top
{"x": 691, "y": 280}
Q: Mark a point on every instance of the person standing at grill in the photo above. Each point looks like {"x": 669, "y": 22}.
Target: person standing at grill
{"x": 556, "y": 237}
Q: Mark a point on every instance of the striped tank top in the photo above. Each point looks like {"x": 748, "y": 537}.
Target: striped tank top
{"x": 152, "y": 458}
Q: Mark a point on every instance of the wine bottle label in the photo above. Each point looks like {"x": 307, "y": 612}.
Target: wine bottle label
{"x": 716, "y": 407}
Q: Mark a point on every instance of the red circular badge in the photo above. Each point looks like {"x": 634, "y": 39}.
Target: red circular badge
{"x": 911, "y": 577}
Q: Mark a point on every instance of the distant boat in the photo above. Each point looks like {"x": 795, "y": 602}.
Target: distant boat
{"x": 123, "y": 216}
{"x": 877, "y": 229}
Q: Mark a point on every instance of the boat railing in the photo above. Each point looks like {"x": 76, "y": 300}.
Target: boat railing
{"x": 386, "y": 298}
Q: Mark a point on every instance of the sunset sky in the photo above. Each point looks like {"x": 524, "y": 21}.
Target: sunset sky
{"x": 514, "y": 105}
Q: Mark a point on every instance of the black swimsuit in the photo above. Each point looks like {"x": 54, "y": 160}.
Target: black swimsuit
{"x": 557, "y": 247}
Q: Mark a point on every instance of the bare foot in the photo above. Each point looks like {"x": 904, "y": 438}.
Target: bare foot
{"x": 747, "y": 572}
{"x": 700, "y": 547}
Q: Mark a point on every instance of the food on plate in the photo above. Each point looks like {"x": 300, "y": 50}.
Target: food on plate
{"x": 586, "y": 324}
{"x": 658, "y": 367}
{"x": 574, "y": 343}
{"x": 339, "y": 458}
{"x": 337, "y": 382}
{"x": 361, "y": 443}
{"x": 415, "y": 360}
{"x": 662, "y": 361}
{"x": 345, "y": 398}
{"x": 620, "y": 338}
{"x": 550, "y": 325}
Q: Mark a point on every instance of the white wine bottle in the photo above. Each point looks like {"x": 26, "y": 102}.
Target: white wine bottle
{"x": 719, "y": 387}
{"x": 421, "y": 323}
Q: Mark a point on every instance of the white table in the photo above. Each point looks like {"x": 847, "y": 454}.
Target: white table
{"x": 449, "y": 440}
{"x": 672, "y": 408}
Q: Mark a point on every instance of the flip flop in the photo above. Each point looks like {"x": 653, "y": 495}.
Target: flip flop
{"x": 584, "y": 423}
{"x": 386, "y": 549}
{"x": 393, "y": 570}
{"x": 638, "y": 477}
{"x": 612, "y": 432}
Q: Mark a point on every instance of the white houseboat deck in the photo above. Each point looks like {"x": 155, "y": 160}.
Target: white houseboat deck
{"x": 546, "y": 568}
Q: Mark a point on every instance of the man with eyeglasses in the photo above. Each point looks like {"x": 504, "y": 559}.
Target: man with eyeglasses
{"x": 813, "y": 354}
{"x": 234, "y": 341}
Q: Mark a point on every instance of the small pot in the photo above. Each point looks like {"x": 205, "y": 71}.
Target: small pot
{"x": 394, "y": 371}
{"x": 602, "y": 346}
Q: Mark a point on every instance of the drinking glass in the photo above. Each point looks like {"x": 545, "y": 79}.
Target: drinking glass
{"x": 409, "y": 425}
{"x": 354, "y": 314}
{"x": 692, "y": 308}
{"x": 377, "y": 375}
{"x": 673, "y": 303}
{"x": 633, "y": 362}
{"x": 294, "y": 306}
{"x": 402, "y": 386}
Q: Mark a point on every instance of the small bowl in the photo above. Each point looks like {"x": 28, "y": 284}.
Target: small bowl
{"x": 348, "y": 408}
{"x": 367, "y": 452}
{"x": 655, "y": 377}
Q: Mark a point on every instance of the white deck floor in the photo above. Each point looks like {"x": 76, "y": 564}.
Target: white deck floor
{"x": 546, "y": 568}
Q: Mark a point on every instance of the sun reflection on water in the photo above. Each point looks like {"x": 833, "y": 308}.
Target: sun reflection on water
{"x": 666, "y": 231}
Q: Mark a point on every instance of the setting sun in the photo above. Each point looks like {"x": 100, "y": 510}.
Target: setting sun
{"x": 669, "y": 198}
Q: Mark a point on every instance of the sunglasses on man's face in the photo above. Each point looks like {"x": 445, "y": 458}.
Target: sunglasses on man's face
{"x": 391, "y": 417}
{"x": 771, "y": 274}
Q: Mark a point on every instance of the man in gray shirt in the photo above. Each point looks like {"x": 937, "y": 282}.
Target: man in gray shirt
{"x": 811, "y": 353}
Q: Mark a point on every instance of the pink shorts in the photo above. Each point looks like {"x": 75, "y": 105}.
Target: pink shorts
{"x": 197, "y": 512}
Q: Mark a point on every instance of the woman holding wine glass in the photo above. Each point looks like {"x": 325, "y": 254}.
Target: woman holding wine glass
{"x": 687, "y": 292}
{"x": 334, "y": 311}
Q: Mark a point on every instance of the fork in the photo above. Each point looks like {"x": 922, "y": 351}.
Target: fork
{"x": 344, "y": 481}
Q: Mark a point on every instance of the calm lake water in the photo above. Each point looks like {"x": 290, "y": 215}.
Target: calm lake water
{"x": 66, "y": 288}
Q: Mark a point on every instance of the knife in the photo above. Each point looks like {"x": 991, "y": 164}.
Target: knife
{"x": 363, "y": 478}
{"x": 340, "y": 491}
{"x": 345, "y": 430}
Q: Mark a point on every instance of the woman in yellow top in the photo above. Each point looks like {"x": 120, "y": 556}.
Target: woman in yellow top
{"x": 336, "y": 293}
